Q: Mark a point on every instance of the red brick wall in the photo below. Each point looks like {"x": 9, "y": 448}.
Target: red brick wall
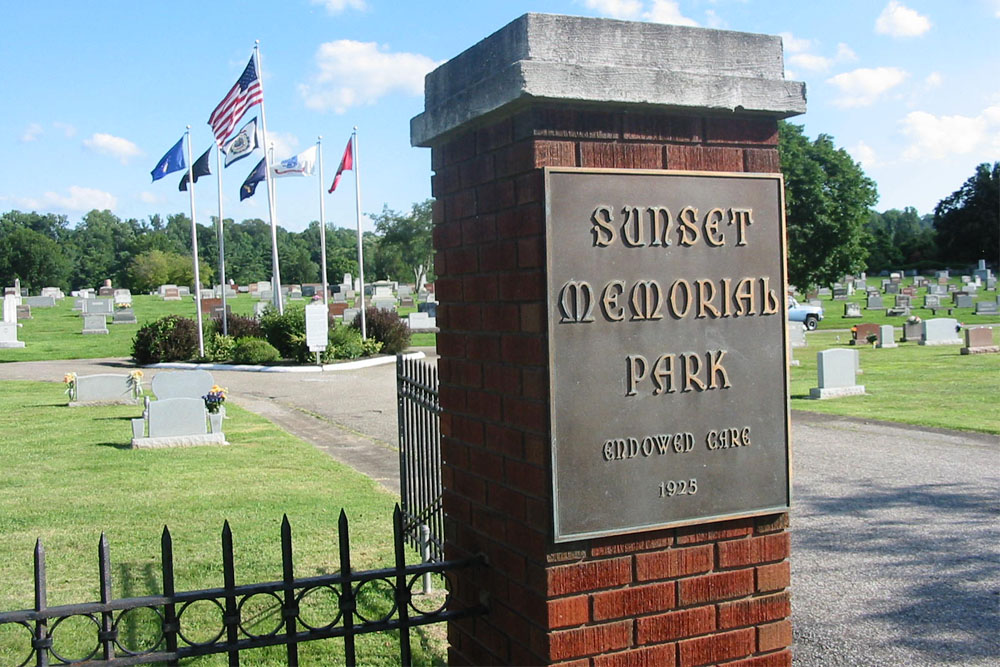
{"x": 688, "y": 596}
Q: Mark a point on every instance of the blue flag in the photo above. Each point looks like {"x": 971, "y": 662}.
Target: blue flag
{"x": 258, "y": 174}
{"x": 171, "y": 162}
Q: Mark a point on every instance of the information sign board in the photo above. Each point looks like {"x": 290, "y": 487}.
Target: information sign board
{"x": 667, "y": 348}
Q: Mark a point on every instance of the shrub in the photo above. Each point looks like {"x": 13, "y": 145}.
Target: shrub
{"x": 170, "y": 338}
{"x": 254, "y": 351}
{"x": 386, "y": 327}
{"x": 343, "y": 343}
{"x": 219, "y": 347}
{"x": 287, "y": 333}
{"x": 240, "y": 326}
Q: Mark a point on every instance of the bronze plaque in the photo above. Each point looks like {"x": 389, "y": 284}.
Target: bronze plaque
{"x": 667, "y": 348}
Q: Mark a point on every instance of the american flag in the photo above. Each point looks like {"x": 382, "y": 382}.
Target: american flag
{"x": 243, "y": 95}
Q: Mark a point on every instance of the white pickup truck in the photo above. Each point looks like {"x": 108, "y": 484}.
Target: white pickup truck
{"x": 810, "y": 316}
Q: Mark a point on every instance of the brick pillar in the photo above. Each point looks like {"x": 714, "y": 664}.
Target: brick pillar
{"x": 703, "y": 594}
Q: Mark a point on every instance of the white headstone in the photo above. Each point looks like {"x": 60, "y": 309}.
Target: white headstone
{"x": 8, "y": 335}
{"x": 940, "y": 331}
{"x": 95, "y": 323}
{"x": 837, "y": 370}
{"x": 182, "y": 384}
{"x": 9, "y": 309}
{"x": 886, "y": 336}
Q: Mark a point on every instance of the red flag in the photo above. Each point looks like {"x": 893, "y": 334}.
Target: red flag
{"x": 244, "y": 94}
{"x": 346, "y": 163}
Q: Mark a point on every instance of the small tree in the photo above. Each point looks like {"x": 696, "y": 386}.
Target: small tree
{"x": 827, "y": 202}
{"x": 407, "y": 239}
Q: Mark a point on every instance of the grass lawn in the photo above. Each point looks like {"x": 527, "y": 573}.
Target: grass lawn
{"x": 55, "y": 333}
{"x": 67, "y": 476}
{"x": 914, "y": 384}
{"x": 833, "y": 311}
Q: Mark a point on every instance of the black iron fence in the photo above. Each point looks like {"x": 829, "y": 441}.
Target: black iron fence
{"x": 420, "y": 456}
{"x": 235, "y": 607}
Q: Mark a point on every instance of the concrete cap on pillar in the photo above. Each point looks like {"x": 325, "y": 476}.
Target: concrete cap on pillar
{"x": 571, "y": 59}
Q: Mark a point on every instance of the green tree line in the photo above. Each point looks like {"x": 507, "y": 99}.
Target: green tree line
{"x": 44, "y": 249}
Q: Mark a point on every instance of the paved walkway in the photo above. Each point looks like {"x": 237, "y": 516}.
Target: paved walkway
{"x": 894, "y": 529}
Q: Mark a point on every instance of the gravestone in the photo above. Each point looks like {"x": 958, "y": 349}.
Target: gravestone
{"x": 265, "y": 295}
{"x": 903, "y": 301}
{"x": 860, "y": 333}
{"x": 940, "y": 331}
{"x": 184, "y": 291}
{"x": 962, "y": 300}
{"x": 886, "y": 334}
{"x": 95, "y": 324}
{"x": 309, "y": 291}
{"x": 937, "y": 290}
{"x": 902, "y": 311}
{"x": 839, "y": 293}
{"x": 986, "y": 308}
{"x": 337, "y": 308}
{"x": 824, "y": 292}
{"x": 852, "y": 309}
{"x": 991, "y": 283}
{"x": 796, "y": 335}
{"x": 106, "y": 290}
{"x": 406, "y": 302}
{"x": 979, "y": 340}
{"x": 259, "y": 307}
{"x": 124, "y": 316}
{"x": 421, "y": 322}
{"x": 24, "y": 312}
{"x": 97, "y": 307}
{"x": 591, "y": 113}
{"x": 429, "y": 307}
{"x": 913, "y": 330}
{"x": 384, "y": 304}
{"x": 9, "y": 309}
{"x": 210, "y": 304}
{"x": 404, "y": 291}
{"x": 181, "y": 384}
{"x": 340, "y": 297}
{"x": 836, "y": 370}
{"x": 942, "y": 281}
{"x": 170, "y": 293}
{"x": 350, "y": 314}
{"x": 53, "y": 292}
{"x": 966, "y": 280}
{"x": 122, "y": 296}
{"x": 39, "y": 301}
{"x": 8, "y": 335}
{"x": 932, "y": 301}
{"x": 896, "y": 277}
{"x": 892, "y": 288}
{"x": 103, "y": 389}
{"x": 874, "y": 302}
{"x": 78, "y": 304}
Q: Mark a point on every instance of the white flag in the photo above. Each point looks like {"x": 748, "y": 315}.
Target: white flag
{"x": 241, "y": 145}
{"x": 297, "y": 165}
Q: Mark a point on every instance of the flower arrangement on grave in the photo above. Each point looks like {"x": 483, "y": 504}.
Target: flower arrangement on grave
{"x": 913, "y": 319}
{"x": 215, "y": 398}
{"x": 123, "y": 305}
{"x": 135, "y": 382}
{"x": 872, "y": 338}
{"x": 70, "y": 381}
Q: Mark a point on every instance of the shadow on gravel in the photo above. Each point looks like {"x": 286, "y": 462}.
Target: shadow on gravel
{"x": 941, "y": 538}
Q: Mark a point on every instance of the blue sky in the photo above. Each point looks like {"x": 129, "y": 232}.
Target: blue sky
{"x": 95, "y": 93}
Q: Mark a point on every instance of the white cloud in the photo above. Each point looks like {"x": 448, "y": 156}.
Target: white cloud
{"x": 864, "y": 86}
{"x": 66, "y": 128}
{"x": 358, "y": 73}
{"x": 616, "y": 9}
{"x": 147, "y": 197}
{"x": 996, "y": 7}
{"x": 667, "y": 11}
{"x": 933, "y": 80}
{"x": 286, "y": 144}
{"x": 898, "y": 20}
{"x": 108, "y": 144}
{"x": 864, "y": 154}
{"x": 810, "y": 62}
{"x": 793, "y": 44}
{"x": 845, "y": 54}
{"x": 78, "y": 199}
{"x": 935, "y": 137}
{"x": 31, "y": 133}
{"x": 337, "y": 6}
{"x": 712, "y": 20}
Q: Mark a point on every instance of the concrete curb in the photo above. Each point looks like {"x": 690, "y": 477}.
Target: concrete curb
{"x": 345, "y": 366}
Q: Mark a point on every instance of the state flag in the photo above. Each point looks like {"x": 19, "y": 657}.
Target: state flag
{"x": 258, "y": 174}
{"x": 171, "y": 162}
{"x": 242, "y": 144}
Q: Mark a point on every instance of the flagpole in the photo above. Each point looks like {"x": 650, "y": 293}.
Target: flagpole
{"x": 222, "y": 244}
{"x": 322, "y": 222}
{"x": 194, "y": 245}
{"x": 361, "y": 254}
{"x": 275, "y": 270}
